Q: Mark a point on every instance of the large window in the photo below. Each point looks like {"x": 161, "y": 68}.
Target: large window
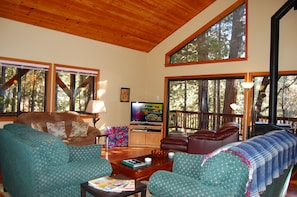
{"x": 29, "y": 86}
{"x": 222, "y": 39}
{"x": 74, "y": 88}
{"x": 203, "y": 103}
{"x": 286, "y": 99}
{"x": 207, "y": 103}
{"x": 23, "y": 87}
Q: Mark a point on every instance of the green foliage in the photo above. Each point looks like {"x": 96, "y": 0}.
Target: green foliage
{"x": 76, "y": 86}
{"x": 286, "y": 97}
{"x": 215, "y": 42}
{"x": 31, "y": 87}
{"x": 184, "y": 95}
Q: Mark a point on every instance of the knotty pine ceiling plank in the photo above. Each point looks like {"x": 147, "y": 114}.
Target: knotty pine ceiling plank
{"x": 136, "y": 24}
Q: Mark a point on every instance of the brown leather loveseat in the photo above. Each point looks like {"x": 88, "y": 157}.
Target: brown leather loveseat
{"x": 203, "y": 141}
{"x": 71, "y": 119}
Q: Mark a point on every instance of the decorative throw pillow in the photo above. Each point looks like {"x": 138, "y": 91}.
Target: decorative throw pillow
{"x": 79, "y": 129}
{"x": 37, "y": 126}
{"x": 57, "y": 129}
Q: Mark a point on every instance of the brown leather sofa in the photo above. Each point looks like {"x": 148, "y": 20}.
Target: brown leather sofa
{"x": 203, "y": 141}
{"x": 43, "y": 117}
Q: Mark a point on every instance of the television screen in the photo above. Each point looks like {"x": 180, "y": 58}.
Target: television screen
{"x": 146, "y": 112}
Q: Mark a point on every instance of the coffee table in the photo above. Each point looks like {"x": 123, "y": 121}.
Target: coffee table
{"x": 142, "y": 173}
{"x": 139, "y": 187}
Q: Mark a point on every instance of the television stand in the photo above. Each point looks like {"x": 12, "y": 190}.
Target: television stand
{"x": 145, "y": 135}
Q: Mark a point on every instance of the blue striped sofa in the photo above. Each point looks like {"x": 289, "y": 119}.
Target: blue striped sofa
{"x": 257, "y": 167}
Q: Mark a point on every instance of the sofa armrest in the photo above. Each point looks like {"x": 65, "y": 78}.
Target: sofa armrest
{"x": 79, "y": 153}
{"x": 93, "y": 131}
{"x": 187, "y": 164}
{"x": 71, "y": 174}
{"x": 167, "y": 184}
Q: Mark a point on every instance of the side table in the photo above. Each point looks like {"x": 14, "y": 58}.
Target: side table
{"x": 106, "y": 140}
{"x": 139, "y": 187}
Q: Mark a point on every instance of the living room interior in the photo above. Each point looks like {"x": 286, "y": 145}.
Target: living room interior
{"x": 144, "y": 70}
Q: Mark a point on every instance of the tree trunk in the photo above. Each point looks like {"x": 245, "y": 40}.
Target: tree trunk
{"x": 230, "y": 97}
{"x": 237, "y": 29}
{"x": 203, "y": 99}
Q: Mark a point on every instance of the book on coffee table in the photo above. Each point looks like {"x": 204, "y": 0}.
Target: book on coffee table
{"x": 110, "y": 184}
{"x": 133, "y": 163}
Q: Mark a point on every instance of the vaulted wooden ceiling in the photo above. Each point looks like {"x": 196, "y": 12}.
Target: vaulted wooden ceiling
{"x": 135, "y": 24}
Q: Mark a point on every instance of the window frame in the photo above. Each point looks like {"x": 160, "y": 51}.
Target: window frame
{"x": 249, "y": 96}
{"x": 75, "y": 69}
{"x": 50, "y": 88}
{"x": 267, "y": 74}
{"x": 200, "y": 77}
{"x": 203, "y": 29}
{"x": 33, "y": 64}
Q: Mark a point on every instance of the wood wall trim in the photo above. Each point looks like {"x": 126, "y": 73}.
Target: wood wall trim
{"x": 209, "y": 76}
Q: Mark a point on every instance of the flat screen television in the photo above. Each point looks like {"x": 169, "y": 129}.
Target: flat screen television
{"x": 146, "y": 112}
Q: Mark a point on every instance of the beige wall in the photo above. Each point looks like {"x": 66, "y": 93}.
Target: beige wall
{"x": 144, "y": 73}
{"x": 259, "y": 16}
{"x": 120, "y": 67}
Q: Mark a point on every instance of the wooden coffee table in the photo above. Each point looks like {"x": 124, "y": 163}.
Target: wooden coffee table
{"x": 142, "y": 173}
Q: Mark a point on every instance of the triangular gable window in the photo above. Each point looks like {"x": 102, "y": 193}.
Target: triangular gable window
{"x": 223, "y": 39}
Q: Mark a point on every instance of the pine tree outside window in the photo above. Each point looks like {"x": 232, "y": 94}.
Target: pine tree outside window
{"x": 203, "y": 103}
{"x": 74, "y": 88}
{"x": 23, "y": 87}
{"x": 221, "y": 41}
{"x": 286, "y": 99}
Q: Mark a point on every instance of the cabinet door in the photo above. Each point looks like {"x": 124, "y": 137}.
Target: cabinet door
{"x": 137, "y": 138}
{"x": 153, "y": 138}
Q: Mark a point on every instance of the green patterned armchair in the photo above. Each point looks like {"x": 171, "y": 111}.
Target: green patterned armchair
{"x": 36, "y": 163}
{"x": 221, "y": 175}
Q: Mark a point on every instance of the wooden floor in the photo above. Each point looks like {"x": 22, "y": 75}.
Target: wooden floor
{"x": 292, "y": 190}
{"x": 120, "y": 153}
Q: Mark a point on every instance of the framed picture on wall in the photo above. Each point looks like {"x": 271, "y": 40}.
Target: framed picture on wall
{"x": 125, "y": 95}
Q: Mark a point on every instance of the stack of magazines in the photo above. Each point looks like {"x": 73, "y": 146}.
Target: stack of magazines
{"x": 110, "y": 184}
{"x": 133, "y": 163}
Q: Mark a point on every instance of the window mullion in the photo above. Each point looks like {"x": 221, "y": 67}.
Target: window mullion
{"x": 19, "y": 89}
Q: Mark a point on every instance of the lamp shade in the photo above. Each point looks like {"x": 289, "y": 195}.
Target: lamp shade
{"x": 234, "y": 106}
{"x": 95, "y": 106}
{"x": 247, "y": 85}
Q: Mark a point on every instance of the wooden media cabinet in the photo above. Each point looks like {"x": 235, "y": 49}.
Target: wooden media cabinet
{"x": 147, "y": 135}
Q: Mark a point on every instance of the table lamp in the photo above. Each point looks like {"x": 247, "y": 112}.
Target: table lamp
{"x": 95, "y": 107}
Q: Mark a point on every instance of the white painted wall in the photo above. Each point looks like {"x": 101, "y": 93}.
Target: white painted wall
{"x": 144, "y": 72}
